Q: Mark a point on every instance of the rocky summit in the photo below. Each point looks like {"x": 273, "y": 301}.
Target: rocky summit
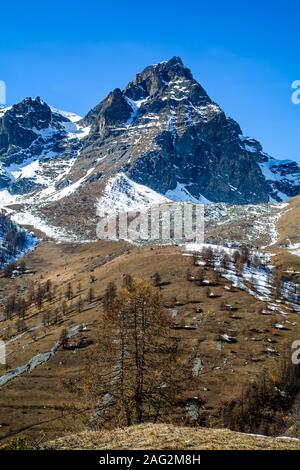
{"x": 161, "y": 138}
{"x": 164, "y": 131}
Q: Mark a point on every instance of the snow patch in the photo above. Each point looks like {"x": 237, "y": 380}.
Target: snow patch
{"x": 123, "y": 194}
{"x": 27, "y": 218}
{"x": 181, "y": 194}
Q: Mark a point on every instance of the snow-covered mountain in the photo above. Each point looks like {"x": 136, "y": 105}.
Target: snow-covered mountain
{"x": 165, "y": 132}
{"x": 161, "y": 138}
{"x": 38, "y": 144}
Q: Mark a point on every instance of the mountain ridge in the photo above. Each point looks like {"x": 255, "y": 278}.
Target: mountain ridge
{"x": 162, "y": 131}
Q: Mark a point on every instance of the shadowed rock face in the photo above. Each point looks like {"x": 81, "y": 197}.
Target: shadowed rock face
{"x": 20, "y": 126}
{"x": 154, "y": 79}
{"x": 114, "y": 110}
{"x": 174, "y": 134}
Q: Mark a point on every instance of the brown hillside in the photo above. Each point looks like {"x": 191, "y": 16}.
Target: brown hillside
{"x": 168, "y": 437}
{"x": 41, "y": 403}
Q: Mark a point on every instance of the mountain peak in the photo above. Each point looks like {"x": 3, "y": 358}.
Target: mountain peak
{"x": 32, "y": 101}
{"x": 155, "y": 78}
{"x": 175, "y": 60}
{"x": 163, "y": 131}
{"x": 155, "y": 88}
{"x": 175, "y": 67}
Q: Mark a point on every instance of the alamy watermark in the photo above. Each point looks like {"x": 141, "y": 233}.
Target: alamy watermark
{"x": 296, "y": 353}
{"x": 296, "y": 93}
{"x": 164, "y": 223}
{"x": 2, "y": 93}
{"x": 2, "y": 352}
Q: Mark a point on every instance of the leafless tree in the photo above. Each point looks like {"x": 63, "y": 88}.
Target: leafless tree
{"x": 63, "y": 338}
{"x": 69, "y": 293}
{"x": 130, "y": 370}
{"x": 91, "y": 295}
{"x": 109, "y": 295}
{"x": 156, "y": 279}
{"x": 127, "y": 280}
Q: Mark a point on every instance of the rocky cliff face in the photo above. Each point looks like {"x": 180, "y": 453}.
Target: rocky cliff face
{"x": 162, "y": 135}
{"x": 164, "y": 131}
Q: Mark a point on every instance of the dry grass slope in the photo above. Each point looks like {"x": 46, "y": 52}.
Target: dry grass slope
{"x": 39, "y": 404}
{"x": 169, "y": 437}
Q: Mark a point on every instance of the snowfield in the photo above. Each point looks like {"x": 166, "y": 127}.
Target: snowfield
{"x": 27, "y": 218}
{"x": 181, "y": 194}
{"x": 122, "y": 194}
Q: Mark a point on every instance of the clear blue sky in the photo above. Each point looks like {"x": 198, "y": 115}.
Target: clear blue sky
{"x": 245, "y": 54}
